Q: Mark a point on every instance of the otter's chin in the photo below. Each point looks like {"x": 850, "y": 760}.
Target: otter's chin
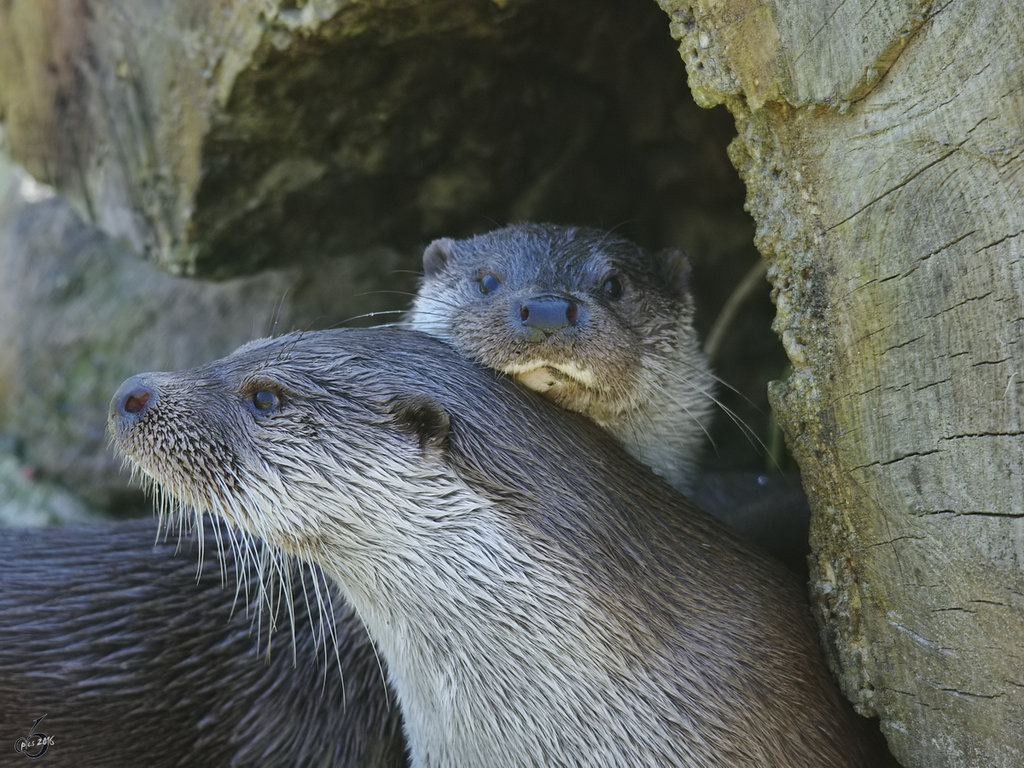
{"x": 541, "y": 375}
{"x": 566, "y": 386}
{"x": 545, "y": 379}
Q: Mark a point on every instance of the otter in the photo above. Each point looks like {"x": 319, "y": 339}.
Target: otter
{"x": 531, "y": 607}
{"x": 132, "y": 656}
{"x": 590, "y": 320}
{"x": 603, "y": 327}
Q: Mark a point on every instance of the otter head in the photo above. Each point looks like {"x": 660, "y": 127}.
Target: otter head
{"x": 262, "y": 436}
{"x": 446, "y": 502}
{"x": 584, "y": 317}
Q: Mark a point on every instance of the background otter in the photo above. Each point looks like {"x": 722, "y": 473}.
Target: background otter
{"x": 587, "y": 318}
{"x": 134, "y": 662}
{"x": 530, "y": 606}
{"x": 603, "y": 327}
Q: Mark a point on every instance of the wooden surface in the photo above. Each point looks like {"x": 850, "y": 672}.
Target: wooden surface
{"x": 881, "y": 144}
{"x": 220, "y": 138}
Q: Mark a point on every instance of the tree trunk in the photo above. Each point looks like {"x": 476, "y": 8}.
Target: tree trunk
{"x": 881, "y": 147}
{"x": 220, "y": 138}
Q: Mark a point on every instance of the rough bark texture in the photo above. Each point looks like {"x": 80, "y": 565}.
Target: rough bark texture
{"x": 881, "y": 144}
{"x": 225, "y": 137}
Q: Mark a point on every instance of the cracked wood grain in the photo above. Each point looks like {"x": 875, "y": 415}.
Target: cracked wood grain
{"x": 889, "y": 207}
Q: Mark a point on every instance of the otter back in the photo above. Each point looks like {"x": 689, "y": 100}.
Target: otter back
{"x": 134, "y": 662}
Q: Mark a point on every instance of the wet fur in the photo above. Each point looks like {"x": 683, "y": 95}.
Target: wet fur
{"x": 532, "y": 607}
{"x": 134, "y": 662}
{"x": 632, "y": 363}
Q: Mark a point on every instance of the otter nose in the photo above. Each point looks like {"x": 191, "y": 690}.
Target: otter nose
{"x": 133, "y": 398}
{"x": 548, "y": 313}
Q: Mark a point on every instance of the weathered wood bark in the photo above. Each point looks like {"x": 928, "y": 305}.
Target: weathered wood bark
{"x": 881, "y": 144}
{"x": 220, "y": 138}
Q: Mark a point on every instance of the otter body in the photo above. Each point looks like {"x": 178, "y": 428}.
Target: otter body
{"x": 136, "y": 658}
{"x": 531, "y": 607}
{"x": 588, "y": 319}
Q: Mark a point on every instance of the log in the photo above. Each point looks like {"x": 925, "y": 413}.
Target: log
{"x": 880, "y": 143}
{"x": 223, "y": 138}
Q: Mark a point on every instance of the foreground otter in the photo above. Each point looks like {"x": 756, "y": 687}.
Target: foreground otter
{"x": 531, "y": 609}
{"x": 134, "y": 662}
{"x": 590, "y": 320}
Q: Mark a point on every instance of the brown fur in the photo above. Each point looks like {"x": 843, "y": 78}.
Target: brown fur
{"x": 533, "y": 606}
{"x": 626, "y": 355}
{"x": 135, "y": 662}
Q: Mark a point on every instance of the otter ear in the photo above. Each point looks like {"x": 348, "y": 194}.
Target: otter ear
{"x": 437, "y": 255}
{"x": 677, "y": 269}
{"x": 424, "y": 418}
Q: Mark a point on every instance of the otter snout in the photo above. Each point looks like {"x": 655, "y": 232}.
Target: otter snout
{"x": 130, "y": 403}
{"x": 546, "y": 315}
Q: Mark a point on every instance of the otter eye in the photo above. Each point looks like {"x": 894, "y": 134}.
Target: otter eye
{"x": 264, "y": 401}
{"x": 488, "y": 283}
{"x": 612, "y": 287}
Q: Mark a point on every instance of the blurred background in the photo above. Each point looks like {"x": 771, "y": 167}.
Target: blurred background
{"x": 178, "y": 178}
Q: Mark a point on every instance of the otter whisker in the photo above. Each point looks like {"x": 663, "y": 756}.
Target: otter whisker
{"x": 324, "y": 631}
{"x": 745, "y": 429}
{"x": 414, "y": 272}
{"x": 285, "y": 595}
{"x": 222, "y": 569}
{"x": 368, "y": 316}
{"x": 704, "y": 373}
{"x": 438, "y": 301}
{"x": 200, "y": 540}
{"x": 388, "y": 292}
{"x": 242, "y": 568}
{"x": 276, "y": 316}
